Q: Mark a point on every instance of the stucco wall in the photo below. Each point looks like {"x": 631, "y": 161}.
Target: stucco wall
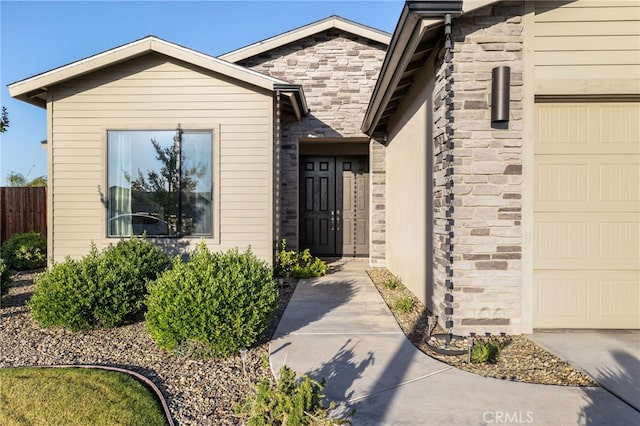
{"x": 408, "y": 188}
{"x": 338, "y": 71}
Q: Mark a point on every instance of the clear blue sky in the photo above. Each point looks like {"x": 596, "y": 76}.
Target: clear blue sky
{"x": 37, "y": 36}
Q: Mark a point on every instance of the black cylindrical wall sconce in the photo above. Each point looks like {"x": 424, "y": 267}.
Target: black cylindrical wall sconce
{"x": 500, "y": 84}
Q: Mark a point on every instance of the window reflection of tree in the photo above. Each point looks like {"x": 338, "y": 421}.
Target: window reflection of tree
{"x": 158, "y": 192}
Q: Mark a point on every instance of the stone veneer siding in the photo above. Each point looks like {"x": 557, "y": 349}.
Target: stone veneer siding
{"x": 338, "y": 71}
{"x": 487, "y": 242}
{"x": 377, "y": 209}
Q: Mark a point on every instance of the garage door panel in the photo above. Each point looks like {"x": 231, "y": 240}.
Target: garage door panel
{"x": 562, "y": 125}
{"x": 586, "y": 241}
{"x": 619, "y": 124}
{"x": 588, "y": 129}
{"x": 601, "y": 183}
{"x": 587, "y": 299}
{"x": 587, "y": 216}
{"x": 620, "y": 241}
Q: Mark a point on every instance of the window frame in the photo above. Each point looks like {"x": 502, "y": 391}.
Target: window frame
{"x": 213, "y": 130}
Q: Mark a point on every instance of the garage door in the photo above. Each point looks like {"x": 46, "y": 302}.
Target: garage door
{"x": 587, "y": 216}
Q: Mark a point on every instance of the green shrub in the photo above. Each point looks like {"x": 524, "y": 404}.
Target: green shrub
{"x": 289, "y": 401}
{"x": 25, "y": 251}
{"x": 5, "y": 278}
{"x": 63, "y": 295}
{"x": 122, "y": 275}
{"x": 213, "y": 304}
{"x": 309, "y": 266}
{"x": 391, "y": 283}
{"x": 105, "y": 289}
{"x": 404, "y": 305}
{"x": 486, "y": 351}
{"x": 285, "y": 260}
{"x": 298, "y": 265}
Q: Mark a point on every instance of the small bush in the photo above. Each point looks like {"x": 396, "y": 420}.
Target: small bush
{"x": 25, "y": 251}
{"x": 285, "y": 260}
{"x": 309, "y": 266}
{"x": 298, "y": 265}
{"x": 123, "y": 272}
{"x": 404, "y": 305}
{"x": 214, "y": 304}
{"x": 391, "y": 283}
{"x": 5, "y": 278}
{"x": 105, "y": 289}
{"x": 289, "y": 401}
{"x": 486, "y": 351}
{"x": 63, "y": 295}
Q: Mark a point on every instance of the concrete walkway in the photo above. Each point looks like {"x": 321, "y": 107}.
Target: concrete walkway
{"x": 338, "y": 327}
{"x": 611, "y": 357}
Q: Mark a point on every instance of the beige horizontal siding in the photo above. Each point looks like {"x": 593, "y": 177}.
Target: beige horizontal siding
{"x": 609, "y": 11}
{"x": 587, "y": 47}
{"x": 608, "y": 43}
{"x": 153, "y": 92}
{"x": 148, "y": 92}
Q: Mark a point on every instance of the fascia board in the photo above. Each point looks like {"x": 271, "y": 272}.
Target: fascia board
{"x": 306, "y": 31}
{"x": 403, "y": 43}
{"x": 23, "y": 88}
{"x": 78, "y": 68}
{"x": 216, "y": 65}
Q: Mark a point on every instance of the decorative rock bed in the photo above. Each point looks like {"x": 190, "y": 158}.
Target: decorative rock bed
{"x": 520, "y": 360}
{"x": 198, "y": 391}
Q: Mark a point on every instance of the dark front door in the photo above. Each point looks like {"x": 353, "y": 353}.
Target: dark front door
{"x": 334, "y": 205}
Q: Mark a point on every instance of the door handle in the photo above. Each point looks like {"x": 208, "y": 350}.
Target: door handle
{"x": 333, "y": 220}
{"x": 338, "y": 219}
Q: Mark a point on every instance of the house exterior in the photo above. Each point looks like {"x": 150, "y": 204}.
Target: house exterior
{"x": 532, "y": 220}
{"x": 328, "y": 200}
{"x": 506, "y": 199}
{"x": 106, "y": 181}
{"x": 121, "y": 122}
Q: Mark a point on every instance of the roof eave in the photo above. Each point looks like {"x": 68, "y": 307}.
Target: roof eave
{"x": 296, "y": 96}
{"x": 417, "y": 17}
{"x": 33, "y": 89}
{"x": 23, "y": 89}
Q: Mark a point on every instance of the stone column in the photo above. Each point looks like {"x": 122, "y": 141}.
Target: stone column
{"x": 488, "y": 185}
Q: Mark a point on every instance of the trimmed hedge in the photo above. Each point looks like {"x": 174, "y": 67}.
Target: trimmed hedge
{"x": 213, "y": 304}
{"x": 104, "y": 289}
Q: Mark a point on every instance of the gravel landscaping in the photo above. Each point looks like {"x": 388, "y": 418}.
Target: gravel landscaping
{"x": 204, "y": 391}
{"x": 198, "y": 391}
{"x": 521, "y": 360}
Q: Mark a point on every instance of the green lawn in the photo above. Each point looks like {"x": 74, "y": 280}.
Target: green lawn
{"x": 75, "y": 396}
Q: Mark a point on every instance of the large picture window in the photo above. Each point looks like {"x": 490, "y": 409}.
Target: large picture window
{"x": 160, "y": 183}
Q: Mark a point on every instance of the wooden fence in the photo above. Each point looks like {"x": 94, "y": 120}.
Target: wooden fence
{"x": 22, "y": 209}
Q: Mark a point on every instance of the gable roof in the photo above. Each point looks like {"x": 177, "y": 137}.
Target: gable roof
{"x": 34, "y": 89}
{"x": 413, "y": 40}
{"x": 333, "y": 21}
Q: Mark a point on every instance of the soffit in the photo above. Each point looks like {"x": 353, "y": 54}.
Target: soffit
{"x": 417, "y": 35}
